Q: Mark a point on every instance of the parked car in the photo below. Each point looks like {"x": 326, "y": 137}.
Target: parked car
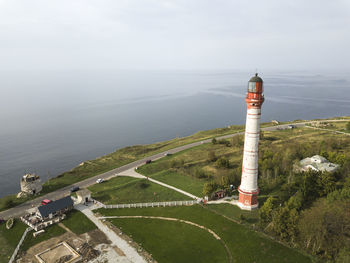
{"x": 148, "y": 161}
{"x": 167, "y": 154}
{"x": 46, "y": 201}
{"x": 74, "y": 189}
{"x": 99, "y": 180}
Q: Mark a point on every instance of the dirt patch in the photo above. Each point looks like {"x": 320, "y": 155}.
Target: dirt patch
{"x": 85, "y": 242}
{"x": 59, "y": 254}
{"x": 119, "y": 251}
{"x": 95, "y": 237}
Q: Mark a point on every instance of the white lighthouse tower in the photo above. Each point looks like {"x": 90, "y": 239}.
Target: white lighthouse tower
{"x": 248, "y": 190}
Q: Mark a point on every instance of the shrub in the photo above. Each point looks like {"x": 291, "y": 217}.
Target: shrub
{"x": 223, "y": 163}
{"x": 211, "y": 156}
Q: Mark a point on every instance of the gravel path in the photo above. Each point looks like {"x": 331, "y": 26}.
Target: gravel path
{"x": 131, "y": 254}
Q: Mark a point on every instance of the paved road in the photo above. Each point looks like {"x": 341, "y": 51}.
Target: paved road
{"x": 21, "y": 209}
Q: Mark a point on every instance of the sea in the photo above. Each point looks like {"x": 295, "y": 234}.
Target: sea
{"x": 52, "y": 120}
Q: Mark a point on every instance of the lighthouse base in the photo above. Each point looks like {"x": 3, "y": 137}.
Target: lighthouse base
{"x": 248, "y": 201}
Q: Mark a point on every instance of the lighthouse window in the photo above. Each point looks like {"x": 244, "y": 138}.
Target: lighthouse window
{"x": 252, "y": 87}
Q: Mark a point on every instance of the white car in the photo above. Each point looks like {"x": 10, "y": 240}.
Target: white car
{"x": 99, "y": 180}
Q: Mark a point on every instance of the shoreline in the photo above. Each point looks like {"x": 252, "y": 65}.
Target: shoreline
{"x": 190, "y": 142}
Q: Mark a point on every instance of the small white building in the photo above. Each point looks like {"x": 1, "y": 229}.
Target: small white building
{"x": 83, "y": 196}
{"x": 317, "y": 163}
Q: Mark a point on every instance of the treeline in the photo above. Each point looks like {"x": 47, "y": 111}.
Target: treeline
{"x": 309, "y": 210}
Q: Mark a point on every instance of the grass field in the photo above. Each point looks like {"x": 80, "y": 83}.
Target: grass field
{"x": 183, "y": 182}
{"x": 78, "y": 223}
{"x": 170, "y": 241}
{"x": 244, "y": 244}
{"x": 50, "y": 232}
{"x": 235, "y": 213}
{"x": 9, "y": 239}
{"x": 126, "y": 190}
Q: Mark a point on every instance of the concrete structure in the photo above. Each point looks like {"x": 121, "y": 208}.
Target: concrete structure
{"x": 30, "y": 185}
{"x": 248, "y": 190}
{"x": 83, "y": 196}
{"x": 61, "y": 252}
{"x": 316, "y": 163}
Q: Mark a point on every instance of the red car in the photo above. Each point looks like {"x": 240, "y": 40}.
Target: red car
{"x": 148, "y": 161}
{"x": 46, "y": 201}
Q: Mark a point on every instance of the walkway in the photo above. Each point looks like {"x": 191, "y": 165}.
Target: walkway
{"x": 132, "y": 173}
{"x": 131, "y": 254}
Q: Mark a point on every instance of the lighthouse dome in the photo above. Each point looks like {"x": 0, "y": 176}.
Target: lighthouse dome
{"x": 256, "y": 78}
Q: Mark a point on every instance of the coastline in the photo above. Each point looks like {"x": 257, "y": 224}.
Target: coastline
{"x": 108, "y": 166}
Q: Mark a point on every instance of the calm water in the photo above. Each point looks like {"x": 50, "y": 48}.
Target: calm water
{"x": 53, "y": 120}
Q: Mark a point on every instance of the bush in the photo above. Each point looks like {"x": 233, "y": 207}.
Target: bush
{"x": 348, "y": 126}
{"x": 209, "y": 188}
{"x": 211, "y": 156}
{"x": 223, "y": 163}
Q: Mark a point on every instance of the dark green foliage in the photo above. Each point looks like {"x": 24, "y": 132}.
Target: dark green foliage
{"x": 200, "y": 173}
{"x": 265, "y": 211}
{"x": 348, "y": 126}
{"x": 325, "y": 228}
{"x": 223, "y": 162}
{"x": 237, "y": 141}
{"x": 209, "y": 188}
{"x": 214, "y": 141}
{"x": 212, "y": 156}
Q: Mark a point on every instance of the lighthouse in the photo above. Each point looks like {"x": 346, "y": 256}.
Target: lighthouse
{"x": 248, "y": 190}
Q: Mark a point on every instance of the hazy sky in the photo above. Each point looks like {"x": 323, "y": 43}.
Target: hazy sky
{"x": 179, "y": 34}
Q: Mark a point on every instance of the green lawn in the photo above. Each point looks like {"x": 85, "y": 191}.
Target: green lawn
{"x": 183, "y": 182}
{"x": 245, "y": 245}
{"x": 170, "y": 241}
{"x": 126, "y": 190}
{"x": 50, "y": 232}
{"x": 235, "y": 213}
{"x": 9, "y": 239}
{"x": 78, "y": 223}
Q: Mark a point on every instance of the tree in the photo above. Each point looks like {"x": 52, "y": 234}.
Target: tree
{"x": 265, "y": 212}
{"x": 211, "y": 156}
{"x": 209, "y": 187}
{"x": 224, "y": 182}
{"x": 237, "y": 140}
{"x": 214, "y": 141}
{"x": 325, "y": 228}
{"x": 223, "y": 163}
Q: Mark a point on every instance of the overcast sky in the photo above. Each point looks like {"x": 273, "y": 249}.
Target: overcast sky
{"x": 179, "y": 34}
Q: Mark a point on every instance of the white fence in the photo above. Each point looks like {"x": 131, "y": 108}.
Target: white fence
{"x": 19, "y": 245}
{"x": 154, "y": 204}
